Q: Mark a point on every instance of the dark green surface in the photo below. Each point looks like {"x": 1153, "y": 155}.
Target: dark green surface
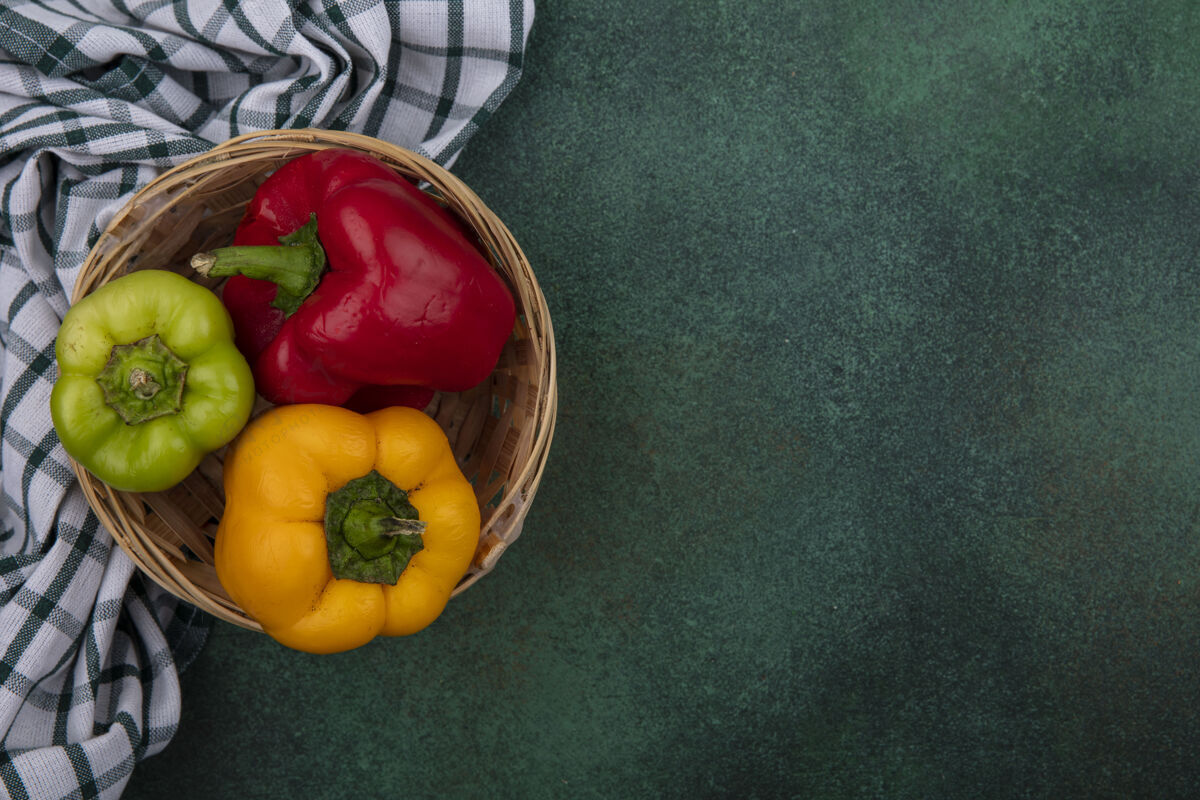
{"x": 876, "y": 465}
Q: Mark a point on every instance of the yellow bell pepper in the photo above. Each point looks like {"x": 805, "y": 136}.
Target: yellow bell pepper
{"x": 339, "y": 527}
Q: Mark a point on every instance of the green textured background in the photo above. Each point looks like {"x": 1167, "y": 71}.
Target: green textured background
{"x": 876, "y": 463}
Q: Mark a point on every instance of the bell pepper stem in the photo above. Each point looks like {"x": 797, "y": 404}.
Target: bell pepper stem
{"x": 395, "y": 526}
{"x": 371, "y": 530}
{"x": 143, "y": 380}
{"x": 294, "y": 265}
{"x": 142, "y": 383}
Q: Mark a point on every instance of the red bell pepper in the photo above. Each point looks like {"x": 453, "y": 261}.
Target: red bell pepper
{"x": 351, "y": 286}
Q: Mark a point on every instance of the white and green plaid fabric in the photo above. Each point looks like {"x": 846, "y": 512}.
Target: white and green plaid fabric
{"x": 96, "y": 98}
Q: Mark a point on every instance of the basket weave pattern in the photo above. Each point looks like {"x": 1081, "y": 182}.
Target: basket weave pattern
{"x": 500, "y": 431}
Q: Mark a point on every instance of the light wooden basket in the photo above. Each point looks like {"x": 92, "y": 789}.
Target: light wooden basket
{"x": 500, "y": 431}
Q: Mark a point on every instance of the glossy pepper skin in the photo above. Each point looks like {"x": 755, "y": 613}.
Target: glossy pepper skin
{"x": 405, "y": 300}
{"x": 285, "y": 481}
{"x": 149, "y": 380}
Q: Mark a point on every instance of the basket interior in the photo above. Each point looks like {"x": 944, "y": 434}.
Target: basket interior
{"x": 499, "y": 431}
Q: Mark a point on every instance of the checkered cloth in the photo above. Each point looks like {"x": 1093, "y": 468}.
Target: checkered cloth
{"x": 96, "y": 99}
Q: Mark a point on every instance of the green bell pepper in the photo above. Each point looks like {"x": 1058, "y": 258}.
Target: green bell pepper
{"x": 149, "y": 380}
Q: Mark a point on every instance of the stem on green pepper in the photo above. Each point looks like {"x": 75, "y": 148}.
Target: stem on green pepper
{"x": 294, "y": 265}
{"x": 142, "y": 384}
{"x": 143, "y": 380}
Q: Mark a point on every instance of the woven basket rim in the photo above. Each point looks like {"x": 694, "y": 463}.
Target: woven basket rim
{"x": 124, "y": 514}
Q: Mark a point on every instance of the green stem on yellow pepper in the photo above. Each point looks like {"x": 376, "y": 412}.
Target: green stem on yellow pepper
{"x": 372, "y": 530}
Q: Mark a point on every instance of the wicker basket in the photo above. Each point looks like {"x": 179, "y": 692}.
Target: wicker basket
{"x": 500, "y": 431}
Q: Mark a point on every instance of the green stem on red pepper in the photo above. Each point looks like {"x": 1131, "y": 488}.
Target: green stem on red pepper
{"x": 295, "y": 265}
